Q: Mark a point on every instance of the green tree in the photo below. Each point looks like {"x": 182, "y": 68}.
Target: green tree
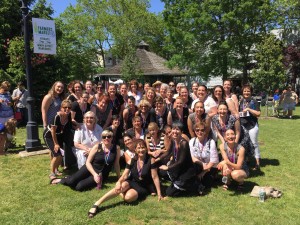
{"x": 270, "y": 73}
{"x": 91, "y": 28}
{"x": 211, "y": 37}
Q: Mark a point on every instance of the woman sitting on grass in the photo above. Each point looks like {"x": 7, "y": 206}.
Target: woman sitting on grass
{"x": 204, "y": 155}
{"x": 233, "y": 165}
{"x": 98, "y": 165}
{"x": 136, "y": 180}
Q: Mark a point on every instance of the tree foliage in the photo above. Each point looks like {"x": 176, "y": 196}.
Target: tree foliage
{"x": 269, "y": 73}
{"x": 211, "y": 37}
{"x": 94, "y": 27}
{"x": 292, "y": 60}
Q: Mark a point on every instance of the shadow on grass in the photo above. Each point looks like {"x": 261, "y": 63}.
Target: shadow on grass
{"x": 247, "y": 188}
{"x": 295, "y": 117}
{"x": 272, "y": 162}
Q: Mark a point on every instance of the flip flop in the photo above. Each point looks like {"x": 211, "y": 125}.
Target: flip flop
{"x": 92, "y": 214}
{"x": 53, "y": 179}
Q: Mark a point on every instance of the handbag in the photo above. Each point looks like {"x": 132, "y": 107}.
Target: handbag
{"x": 18, "y": 115}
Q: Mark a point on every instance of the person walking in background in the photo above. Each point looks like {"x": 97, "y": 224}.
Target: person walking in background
{"x": 19, "y": 96}
{"x": 289, "y": 99}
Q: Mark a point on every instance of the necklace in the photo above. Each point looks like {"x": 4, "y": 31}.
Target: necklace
{"x": 140, "y": 165}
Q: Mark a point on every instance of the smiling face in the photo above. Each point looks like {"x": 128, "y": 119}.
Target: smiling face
{"x": 227, "y": 86}
{"x": 89, "y": 119}
{"x": 199, "y": 108}
{"x": 141, "y": 149}
{"x": 176, "y": 133}
{"x": 179, "y": 104}
{"x": 195, "y": 87}
{"x": 66, "y": 107}
{"x": 85, "y": 97}
{"x": 150, "y": 94}
{"x": 246, "y": 93}
{"x": 201, "y": 92}
{"x": 229, "y": 136}
{"x": 137, "y": 123}
{"x": 88, "y": 85}
{"x": 184, "y": 93}
{"x": 218, "y": 93}
{"x": 112, "y": 90}
{"x": 59, "y": 88}
{"x": 128, "y": 142}
{"x": 222, "y": 110}
{"x": 200, "y": 132}
{"x": 123, "y": 90}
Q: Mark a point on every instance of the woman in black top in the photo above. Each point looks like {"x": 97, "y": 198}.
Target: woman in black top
{"x": 99, "y": 163}
{"x": 159, "y": 113}
{"x": 79, "y": 108}
{"x": 135, "y": 181}
{"x": 178, "y": 164}
{"x": 55, "y": 135}
{"x": 179, "y": 113}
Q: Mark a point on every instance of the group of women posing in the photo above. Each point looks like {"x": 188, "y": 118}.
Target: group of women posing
{"x": 175, "y": 140}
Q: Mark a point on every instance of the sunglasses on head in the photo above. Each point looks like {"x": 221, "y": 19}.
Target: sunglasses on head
{"x": 108, "y": 137}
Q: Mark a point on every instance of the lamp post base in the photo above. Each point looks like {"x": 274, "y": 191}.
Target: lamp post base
{"x": 33, "y": 142}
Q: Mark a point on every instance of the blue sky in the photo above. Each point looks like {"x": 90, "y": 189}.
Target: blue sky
{"x": 60, "y": 5}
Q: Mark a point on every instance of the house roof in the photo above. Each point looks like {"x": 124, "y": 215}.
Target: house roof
{"x": 149, "y": 63}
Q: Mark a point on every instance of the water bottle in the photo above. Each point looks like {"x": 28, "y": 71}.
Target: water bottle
{"x": 99, "y": 185}
{"x": 262, "y": 194}
{"x": 224, "y": 179}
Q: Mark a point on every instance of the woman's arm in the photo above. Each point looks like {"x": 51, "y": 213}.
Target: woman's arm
{"x": 108, "y": 120}
{"x": 44, "y": 108}
{"x": 190, "y": 127}
{"x": 169, "y": 119}
{"x": 240, "y": 160}
{"x": 127, "y": 158}
{"x": 117, "y": 162}
{"x": 232, "y": 108}
{"x": 124, "y": 176}
{"x": 125, "y": 118}
{"x": 235, "y": 101}
{"x": 54, "y": 138}
{"x": 254, "y": 112}
{"x": 237, "y": 127}
{"x": 89, "y": 164}
{"x": 219, "y": 135}
{"x": 213, "y": 111}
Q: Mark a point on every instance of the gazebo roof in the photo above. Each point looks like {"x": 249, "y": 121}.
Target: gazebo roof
{"x": 149, "y": 63}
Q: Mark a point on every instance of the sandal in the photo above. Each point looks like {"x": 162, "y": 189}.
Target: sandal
{"x": 256, "y": 168}
{"x": 92, "y": 214}
{"x": 53, "y": 179}
{"x": 225, "y": 187}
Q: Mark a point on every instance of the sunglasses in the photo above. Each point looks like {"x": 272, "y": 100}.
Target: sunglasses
{"x": 99, "y": 87}
{"x": 198, "y": 130}
{"x": 172, "y": 85}
{"x": 144, "y": 106}
{"x": 89, "y": 117}
{"x": 66, "y": 107}
{"x": 108, "y": 137}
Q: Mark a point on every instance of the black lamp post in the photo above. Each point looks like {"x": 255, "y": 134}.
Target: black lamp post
{"x": 32, "y": 141}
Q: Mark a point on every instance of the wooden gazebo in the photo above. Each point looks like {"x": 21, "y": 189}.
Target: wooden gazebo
{"x": 153, "y": 68}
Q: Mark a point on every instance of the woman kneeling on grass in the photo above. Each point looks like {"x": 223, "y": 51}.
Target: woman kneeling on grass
{"x": 233, "y": 165}
{"x": 135, "y": 181}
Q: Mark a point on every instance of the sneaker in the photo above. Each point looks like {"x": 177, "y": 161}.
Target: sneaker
{"x": 291, "y": 117}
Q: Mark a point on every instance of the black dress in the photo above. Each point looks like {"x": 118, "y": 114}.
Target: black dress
{"x": 140, "y": 179}
{"x": 181, "y": 170}
{"x": 102, "y": 163}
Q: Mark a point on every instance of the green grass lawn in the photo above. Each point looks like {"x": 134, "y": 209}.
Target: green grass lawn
{"x": 27, "y": 197}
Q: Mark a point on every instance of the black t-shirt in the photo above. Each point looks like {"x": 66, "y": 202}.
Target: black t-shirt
{"x": 79, "y": 113}
{"x": 116, "y": 104}
{"x": 249, "y": 121}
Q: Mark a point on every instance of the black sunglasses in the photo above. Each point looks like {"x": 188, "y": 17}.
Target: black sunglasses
{"x": 66, "y": 107}
{"x": 108, "y": 136}
{"x": 198, "y": 130}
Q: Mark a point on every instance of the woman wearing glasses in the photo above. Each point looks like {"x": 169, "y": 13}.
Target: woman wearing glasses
{"x": 101, "y": 159}
{"x": 86, "y": 137}
{"x": 55, "y": 135}
{"x": 204, "y": 155}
